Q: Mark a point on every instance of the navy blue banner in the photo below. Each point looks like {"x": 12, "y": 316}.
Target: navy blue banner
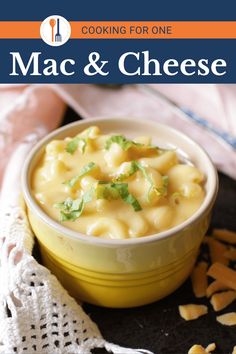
{"x": 126, "y": 61}
{"x": 120, "y": 10}
{"x": 53, "y": 51}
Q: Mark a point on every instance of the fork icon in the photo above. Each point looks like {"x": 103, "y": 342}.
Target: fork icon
{"x": 58, "y": 37}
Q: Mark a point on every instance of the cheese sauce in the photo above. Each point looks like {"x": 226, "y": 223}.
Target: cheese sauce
{"x": 109, "y": 186}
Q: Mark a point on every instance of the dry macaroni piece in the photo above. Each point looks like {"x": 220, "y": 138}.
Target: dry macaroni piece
{"x": 234, "y": 350}
{"x": 221, "y": 300}
{"x": 230, "y": 254}
{"x": 225, "y": 235}
{"x": 192, "y": 312}
{"x": 198, "y": 349}
{"x": 214, "y": 287}
{"x": 223, "y": 274}
{"x": 211, "y": 347}
{"x": 199, "y": 279}
{"x": 113, "y": 187}
{"x": 217, "y": 251}
{"x": 228, "y": 319}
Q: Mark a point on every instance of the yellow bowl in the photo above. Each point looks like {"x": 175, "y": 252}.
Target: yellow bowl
{"x": 131, "y": 272}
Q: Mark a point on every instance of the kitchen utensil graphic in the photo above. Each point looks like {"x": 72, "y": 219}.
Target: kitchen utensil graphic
{"x": 52, "y": 23}
{"x": 58, "y": 37}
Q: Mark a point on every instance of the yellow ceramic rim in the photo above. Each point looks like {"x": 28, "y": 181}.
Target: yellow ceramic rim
{"x": 119, "y": 276}
{"x": 113, "y": 282}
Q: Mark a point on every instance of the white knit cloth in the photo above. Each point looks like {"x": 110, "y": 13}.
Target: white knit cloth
{"x": 36, "y": 314}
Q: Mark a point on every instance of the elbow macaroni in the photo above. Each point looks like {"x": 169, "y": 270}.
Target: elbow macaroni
{"x": 162, "y": 191}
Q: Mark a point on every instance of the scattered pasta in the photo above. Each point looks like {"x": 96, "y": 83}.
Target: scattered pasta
{"x": 222, "y": 290}
{"x": 214, "y": 287}
{"x": 228, "y": 319}
{"x": 211, "y": 347}
{"x": 223, "y": 274}
{"x": 217, "y": 251}
{"x": 230, "y": 254}
{"x": 225, "y": 235}
{"x": 198, "y": 349}
{"x": 192, "y": 311}
{"x": 221, "y": 300}
{"x": 199, "y": 279}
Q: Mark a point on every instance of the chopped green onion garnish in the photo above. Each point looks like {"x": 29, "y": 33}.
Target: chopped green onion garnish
{"x": 121, "y": 140}
{"x": 84, "y": 171}
{"x": 163, "y": 189}
{"x": 135, "y": 166}
{"x": 126, "y": 144}
{"x": 71, "y": 209}
{"x": 109, "y": 191}
{"x": 79, "y": 141}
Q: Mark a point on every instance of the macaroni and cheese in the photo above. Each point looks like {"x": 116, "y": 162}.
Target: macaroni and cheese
{"x": 113, "y": 187}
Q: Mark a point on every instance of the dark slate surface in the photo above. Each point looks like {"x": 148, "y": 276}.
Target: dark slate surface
{"x": 158, "y": 327}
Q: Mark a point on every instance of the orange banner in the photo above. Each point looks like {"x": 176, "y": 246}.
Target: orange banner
{"x": 125, "y": 30}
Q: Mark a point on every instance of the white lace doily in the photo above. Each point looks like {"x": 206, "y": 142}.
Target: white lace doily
{"x": 36, "y": 314}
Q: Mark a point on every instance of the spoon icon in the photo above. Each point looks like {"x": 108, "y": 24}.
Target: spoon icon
{"x": 52, "y": 23}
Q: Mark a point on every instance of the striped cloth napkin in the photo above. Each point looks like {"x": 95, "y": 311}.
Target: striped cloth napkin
{"x": 214, "y": 105}
{"x": 24, "y": 109}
